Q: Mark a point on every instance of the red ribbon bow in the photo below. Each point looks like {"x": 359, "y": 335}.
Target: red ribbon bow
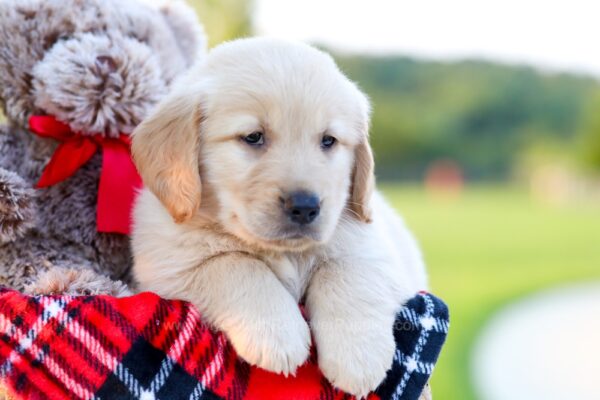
{"x": 119, "y": 178}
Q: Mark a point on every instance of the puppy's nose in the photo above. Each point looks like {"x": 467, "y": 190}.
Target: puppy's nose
{"x": 302, "y": 207}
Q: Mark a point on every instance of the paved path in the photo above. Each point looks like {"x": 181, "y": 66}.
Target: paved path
{"x": 545, "y": 347}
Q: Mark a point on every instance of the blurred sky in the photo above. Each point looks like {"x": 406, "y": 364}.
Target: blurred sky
{"x": 550, "y": 34}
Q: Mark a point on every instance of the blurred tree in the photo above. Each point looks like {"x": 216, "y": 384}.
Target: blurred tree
{"x": 590, "y": 135}
{"x": 224, "y": 19}
{"x": 480, "y": 114}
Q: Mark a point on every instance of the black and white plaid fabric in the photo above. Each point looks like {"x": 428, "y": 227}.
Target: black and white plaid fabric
{"x": 420, "y": 331}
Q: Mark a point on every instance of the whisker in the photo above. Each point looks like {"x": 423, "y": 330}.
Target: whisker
{"x": 352, "y": 211}
{"x": 354, "y": 203}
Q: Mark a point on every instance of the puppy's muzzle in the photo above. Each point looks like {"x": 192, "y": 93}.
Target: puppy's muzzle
{"x": 301, "y": 207}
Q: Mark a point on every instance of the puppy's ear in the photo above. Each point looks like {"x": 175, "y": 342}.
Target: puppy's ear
{"x": 165, "y": 149}
{"x": 363, "y": 174}
{"x": 363, "y": 181}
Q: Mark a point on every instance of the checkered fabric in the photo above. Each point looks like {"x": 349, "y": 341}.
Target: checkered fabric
{"x": 145, "y": 347}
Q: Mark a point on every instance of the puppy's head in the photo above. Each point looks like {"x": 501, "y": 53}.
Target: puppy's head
{"x": 276, "y": 132}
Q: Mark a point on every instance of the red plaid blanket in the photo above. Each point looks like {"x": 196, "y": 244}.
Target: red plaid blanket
{"x": 145, "y": 347}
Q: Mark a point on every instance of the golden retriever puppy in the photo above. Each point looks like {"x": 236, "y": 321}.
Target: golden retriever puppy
{"x": 259, "y": 195}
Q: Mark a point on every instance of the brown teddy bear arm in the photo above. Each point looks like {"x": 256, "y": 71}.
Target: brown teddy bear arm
{"x": 17, "y": 206}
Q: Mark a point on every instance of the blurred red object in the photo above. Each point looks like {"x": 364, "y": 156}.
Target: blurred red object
{"x": 444, "y": 179}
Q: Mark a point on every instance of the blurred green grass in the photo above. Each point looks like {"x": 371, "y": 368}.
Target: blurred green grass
{"x": 486, "y": 249}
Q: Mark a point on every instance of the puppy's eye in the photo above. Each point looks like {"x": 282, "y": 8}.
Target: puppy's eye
{"x": 255, "y": 139}
{"x": 328, "y": 141}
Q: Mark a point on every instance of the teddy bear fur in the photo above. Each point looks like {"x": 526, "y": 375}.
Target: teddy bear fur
{"x": 98, "y": 66}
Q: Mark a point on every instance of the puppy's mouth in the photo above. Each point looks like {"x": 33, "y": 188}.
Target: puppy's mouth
{"x": 291, "y": 243}
{"x": 289, "y": 238}
{"x": 295, "y": 233}
{"x": 281, "y": 236}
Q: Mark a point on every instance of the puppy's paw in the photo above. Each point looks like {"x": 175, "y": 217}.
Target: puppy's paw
{"x": 355, "y": 360}
{"x": 280, "y": 344}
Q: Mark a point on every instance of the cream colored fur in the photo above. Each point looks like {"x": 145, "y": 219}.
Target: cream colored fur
{"x": 210, "y": 228}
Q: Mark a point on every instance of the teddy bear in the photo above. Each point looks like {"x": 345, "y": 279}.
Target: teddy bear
{"x": 76, "y": 77}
